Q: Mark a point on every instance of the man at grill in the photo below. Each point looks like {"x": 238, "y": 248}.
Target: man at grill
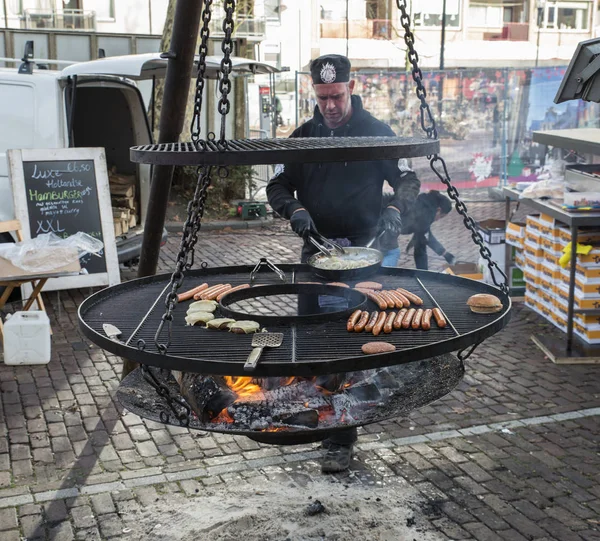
{"x": 341, "y": 201}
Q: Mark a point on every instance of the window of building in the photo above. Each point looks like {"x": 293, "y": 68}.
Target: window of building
{"x": 273, "y": 58}
{"x": 105, "y": 9}
{"x": 273, "y": 10}
{"x": 566, "y": 16}
{"x": 429, "y": 13}
{"x": 481, "y": 15}
{"x": 333, "y": 10}
{"x": 71, "y": 4}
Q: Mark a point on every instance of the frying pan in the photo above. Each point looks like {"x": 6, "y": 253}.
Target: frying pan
{"x": 351, "y": 252}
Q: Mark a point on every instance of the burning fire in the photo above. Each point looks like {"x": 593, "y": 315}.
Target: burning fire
{"x": 244, "y": 387}
{"x": 248, "y": 389}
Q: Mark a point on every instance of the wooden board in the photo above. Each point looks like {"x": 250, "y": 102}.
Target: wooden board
{"x": 556, "y": 351}
{"x": 65, "y": 191}
{"x": 9, "y": 272}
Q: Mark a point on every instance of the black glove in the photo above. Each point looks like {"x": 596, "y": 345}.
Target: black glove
{"x": 302, "y": 223}
{"x": 390, "y": 221}
{"x": 449, "y": 257}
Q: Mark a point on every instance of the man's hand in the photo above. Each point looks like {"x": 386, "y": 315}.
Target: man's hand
{"x": 302, "y": 223}
{"x": 390, "y": 221}
{"x": 449, "y": 257}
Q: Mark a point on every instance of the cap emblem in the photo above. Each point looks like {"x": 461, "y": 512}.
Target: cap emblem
{"x": 328, "y": 73}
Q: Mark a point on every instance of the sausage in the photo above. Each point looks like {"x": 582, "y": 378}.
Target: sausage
{"x": 397, "y": 302}
{"x": 439, "y": 318}
{"x": 352, "y": 320}
{"x": 391, "y": 302}
{"x": 362, "y": 322}
{"x": 228, "y": 291}
{"x": 416, "y": 322}
{"x": 217, "y": 292}
{"x": 379, "y": 325}
{"x": 381, "y": 303}
{"x": 189, "y": 294}
{"x": 389, "y": 323}
{"x": 399, "y": 318}
{"x": 202, "y": 294}
{"x": 426, "y": 322}
{"x": 408, "y": 318}
{"x": 410, "y": 296}
{"x": 401, "y": 298}
{"x": 372, "y": 320}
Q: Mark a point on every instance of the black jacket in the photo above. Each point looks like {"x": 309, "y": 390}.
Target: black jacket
{"x": 344, "y": 199}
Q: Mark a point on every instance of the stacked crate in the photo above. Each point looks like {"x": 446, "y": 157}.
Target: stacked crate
{"x": 547, "y": 283}
{"x": 123, "y": 201}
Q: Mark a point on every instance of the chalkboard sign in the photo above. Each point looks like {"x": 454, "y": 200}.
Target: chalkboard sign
{"x": 63, "y": 191}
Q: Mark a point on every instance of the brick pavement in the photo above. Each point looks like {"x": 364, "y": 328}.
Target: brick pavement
{"x": 511, "y": 454}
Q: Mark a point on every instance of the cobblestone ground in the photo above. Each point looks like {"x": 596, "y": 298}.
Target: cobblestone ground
{"x": 512, "y": 454}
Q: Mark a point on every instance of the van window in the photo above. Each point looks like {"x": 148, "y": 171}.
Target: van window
{"x": 17, "y": 110}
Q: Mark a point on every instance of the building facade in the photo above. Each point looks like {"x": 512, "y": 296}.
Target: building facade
{"x": 479, "y": 33}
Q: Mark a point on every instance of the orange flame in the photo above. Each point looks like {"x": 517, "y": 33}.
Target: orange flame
{"x": 244, "y": 387}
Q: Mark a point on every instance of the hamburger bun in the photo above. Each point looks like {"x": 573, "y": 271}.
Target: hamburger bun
{"x": 484, "y": 304}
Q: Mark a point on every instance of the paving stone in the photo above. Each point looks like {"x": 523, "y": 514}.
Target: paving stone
{"x": 103, "y": 504}
{"x": 8, "y": 519}
{"x": 55, "y": 511}
{"x": 83, "y": 517}
{"x": 110, "y": 525}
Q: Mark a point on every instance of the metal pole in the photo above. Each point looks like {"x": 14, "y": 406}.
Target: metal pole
{"x": 443, "y": 42}
{"x": 186, "y": 27}
{"x": 504, "y": 131}
{"x": 571, "y": 302}
{"x": 297, "y": 102}
{"x": 347, "y": 28}
{"x": 150, "y": 15}
{"x": 5, "y": 14}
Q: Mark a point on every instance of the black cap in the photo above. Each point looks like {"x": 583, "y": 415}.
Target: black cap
{"x": 330, "y": 68}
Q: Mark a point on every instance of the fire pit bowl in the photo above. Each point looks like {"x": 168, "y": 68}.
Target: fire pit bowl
{"x": 300, "y": 411}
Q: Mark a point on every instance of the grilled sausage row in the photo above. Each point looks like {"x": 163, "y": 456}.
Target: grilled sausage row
{"x": 406, "y": 318}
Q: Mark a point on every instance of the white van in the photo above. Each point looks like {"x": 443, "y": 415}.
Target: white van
{"x": 89, "y": 104}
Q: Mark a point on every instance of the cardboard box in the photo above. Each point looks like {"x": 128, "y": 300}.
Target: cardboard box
{"x": 585, "y": 235}
{"x": 520, "y": 260}
{"x": 492, "y": 231}
{"x": 533, "y": 253}
{"x": 532, "y": 238}
{"x": 534, "y": 224}
{"x": 515, "y": 234}
{"x": 516, "y": 229}
{"x": 546, "y": 220}
{"x": 465, "y": 270}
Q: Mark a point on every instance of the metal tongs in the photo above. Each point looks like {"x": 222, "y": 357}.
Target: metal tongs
{"x": 323, "y": 249}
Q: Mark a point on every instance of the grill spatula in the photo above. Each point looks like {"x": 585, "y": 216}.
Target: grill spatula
{"x": 261, "y": 341}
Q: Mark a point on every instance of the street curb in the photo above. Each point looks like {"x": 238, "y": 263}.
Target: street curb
{"x": 177, "y": 227}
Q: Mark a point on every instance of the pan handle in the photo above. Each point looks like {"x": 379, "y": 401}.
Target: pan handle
{"x": 374, "y": 239}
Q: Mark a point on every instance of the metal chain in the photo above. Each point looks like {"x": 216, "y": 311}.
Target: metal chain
{"x": 202, "y": 54}
{"x": 427, "y": 120}
{"x": 186, "y": 247}
{"x": 429, "y": 126}
{"x": 226, "y": 68}
{"x": 178, "y": 406}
